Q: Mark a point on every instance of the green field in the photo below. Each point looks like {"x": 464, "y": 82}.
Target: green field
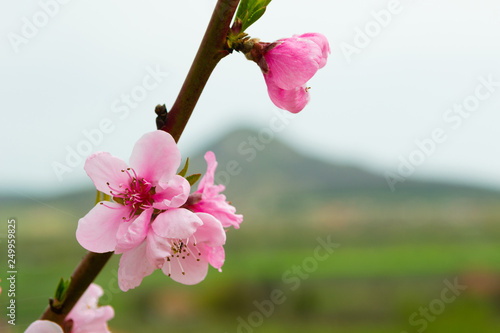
{"x": 396, "y": 257}
{"x": 365, "y": 285}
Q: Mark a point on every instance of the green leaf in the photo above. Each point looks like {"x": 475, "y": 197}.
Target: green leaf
{"x": 193, "y": 178}
{"x": 250, "y": 11}
{"x": 61, "y": 290}
{"x": 184, "y": 170}
{"x": 256, "y": 13}
{"x": 242, "y": 8}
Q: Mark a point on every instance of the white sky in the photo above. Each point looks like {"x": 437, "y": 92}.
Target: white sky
{"x": 369, "y": 111}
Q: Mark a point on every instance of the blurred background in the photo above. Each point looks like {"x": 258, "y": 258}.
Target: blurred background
{"x": 395, "y": 160}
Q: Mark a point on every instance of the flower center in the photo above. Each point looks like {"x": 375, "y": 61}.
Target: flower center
{"x": 137, "y": 195}
{"x": 182, "y": 250}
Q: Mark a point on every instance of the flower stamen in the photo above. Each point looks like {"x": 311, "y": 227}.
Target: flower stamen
{"x": 169, "y": 267}
{"x": 180, "y": 265}
{"x": 137, "y": 195}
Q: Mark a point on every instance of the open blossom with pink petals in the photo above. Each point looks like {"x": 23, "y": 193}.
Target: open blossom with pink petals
{"x": 85, "y": 317}
{"x": 149, "y": 220}
{"x": 212, "y": 201}
{"x": 149, "y": 184}
{"x": 181, "y": 244}
{"x": 291, "y": 62}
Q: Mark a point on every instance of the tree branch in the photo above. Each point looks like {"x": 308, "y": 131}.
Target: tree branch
{"x": 211, "y": 51}
{"x": 88, "y": 269}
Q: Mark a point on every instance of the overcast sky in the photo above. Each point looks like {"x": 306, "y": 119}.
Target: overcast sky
{"x": 401, "y": 73}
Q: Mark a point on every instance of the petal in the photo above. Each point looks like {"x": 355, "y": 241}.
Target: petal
{"x": 323, "y": 44}
{"x": 87, "y": 316}
{"x": 172, "y": 193}
{"x": 133, "y": 268}
{"x": 155, "y": 156}
{"x": 97, "y": 230}
{"x": 95, "y": 321}
{"x": 211, "y": 232}
{"x": 131, "y": 234}
{"x": 216, "y": 256}
{"x": 104, "y": 168}
{"x": 293, "y": 100}
{"x": 208, "y": 179}
{"x": 206, "y": 185}
{"x": 44, "y": 326}
{"x": 89, "y": 300}
{"x": 188, "y": 270}
{"x": 176, "y": 223}
{"x": 219, "y": 208}
{"x": 157, "y": 249}
{"x": 293, "y": 62}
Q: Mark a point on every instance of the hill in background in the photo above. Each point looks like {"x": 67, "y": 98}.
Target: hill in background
{"x": 396, "y": 249}
{"x": 271, "y": 179}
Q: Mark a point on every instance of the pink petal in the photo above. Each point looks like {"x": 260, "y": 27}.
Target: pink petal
{"x": 219, "y": 208}
{"x": 95, "y": 322}
{"x": 131, "y": 234}
{"x": 157, "y": 249}
{"x": 44, "y": 326}
{"x": 293, "y": 62}
{"x": 176, "y": 223}
{"x": 97, "y": 230}
{"x": 89, "y": 300}
{"x": 194, "y": 271}
{"x": 216, "y": 256}
{"x": 206, "y": 185}
{"x": 104, "y": 168}
{"x": 155, "y": 156}
{"x": 172, "y": 193}
{"x": 211, "y": 232}
{"x": 87, "y": 316}
{"x": 323, "y": 44}
{"x": 293, "y": 100}
{"x": 133, "y": 268}
{"x": 208, "y": 178}
{"x": 212, "y": 201}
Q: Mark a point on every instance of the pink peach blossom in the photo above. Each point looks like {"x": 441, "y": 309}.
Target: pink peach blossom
{"x": 291, "y": 62}
{"x": 149, "y": 183}
{"x": 149, "y": 220}
{"x": 85, "y": 317}
{"x": 181, "y": 244}
{"x": 44, "y": 326}
{"x": 212, "y": 201}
